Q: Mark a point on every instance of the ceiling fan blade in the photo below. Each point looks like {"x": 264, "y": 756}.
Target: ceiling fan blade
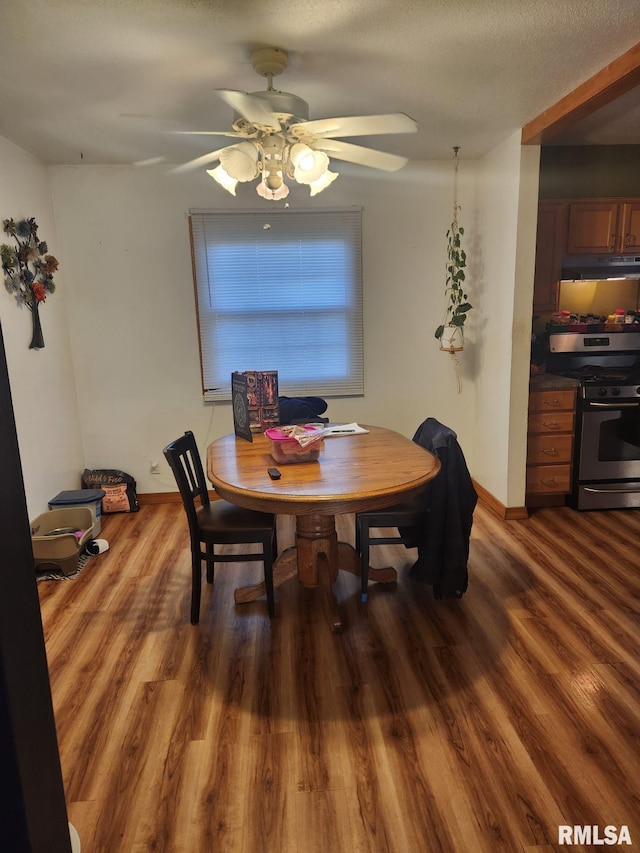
{"x": 150, "y": 161}
{"x": 206, "y": 133}
{"x": 211, "y": 157}
{"x": 360, "y": 125}
{"x": 362, "y": 156}
{"x": 253, "y": 109}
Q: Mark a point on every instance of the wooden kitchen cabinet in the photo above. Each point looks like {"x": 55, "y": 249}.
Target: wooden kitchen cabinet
{"x": 551, "y": 241}
{"x": 603, "y": 226}
{"x": 550, "y": 441}
{"x": 631, "y": 226}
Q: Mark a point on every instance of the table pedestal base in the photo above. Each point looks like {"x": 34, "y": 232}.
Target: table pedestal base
{"x": 316, "y": 559}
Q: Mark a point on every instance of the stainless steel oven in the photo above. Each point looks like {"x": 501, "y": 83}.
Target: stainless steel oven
{"x": 608, "y": 459}
{"x": 606, "y": 471}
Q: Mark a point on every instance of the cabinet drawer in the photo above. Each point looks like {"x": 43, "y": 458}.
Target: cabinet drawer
{"x": 544, "y": 422}
{"x": 548, "y": 479}
{"x": 549, "y": 449}
{"x": 549, "y": 401}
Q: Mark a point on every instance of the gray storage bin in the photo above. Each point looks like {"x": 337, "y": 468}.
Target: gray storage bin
{"x": 60, "y": 551}
{"x": 91, "y": 498}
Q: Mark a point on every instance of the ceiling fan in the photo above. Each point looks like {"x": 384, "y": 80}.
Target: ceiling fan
{"x": 278, "y": 141}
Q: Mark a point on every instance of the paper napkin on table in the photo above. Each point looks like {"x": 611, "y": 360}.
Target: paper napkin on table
{"x": 343, "y": 429}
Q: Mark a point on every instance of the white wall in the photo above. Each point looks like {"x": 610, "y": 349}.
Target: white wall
{"x": 129, "y": 351}
{"x": 42, "y": 381}
{"x": 521, "y": 323}
{"x": 506, "y": 222}
{"x": 124, "y": 239}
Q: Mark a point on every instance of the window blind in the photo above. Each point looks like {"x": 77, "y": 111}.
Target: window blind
{"x": 280, "y": 291}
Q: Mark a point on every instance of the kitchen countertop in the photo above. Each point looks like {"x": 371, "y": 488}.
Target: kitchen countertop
{"x": 552, "y": 382}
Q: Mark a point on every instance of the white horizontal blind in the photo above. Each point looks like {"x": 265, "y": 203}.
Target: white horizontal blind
{"x": 280, "y": 291}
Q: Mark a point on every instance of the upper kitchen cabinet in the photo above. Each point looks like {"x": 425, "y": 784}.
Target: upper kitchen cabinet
{"x": 604, "y": 226}
{"x": 551, "y": 241}
{"x": 631, "y": 226}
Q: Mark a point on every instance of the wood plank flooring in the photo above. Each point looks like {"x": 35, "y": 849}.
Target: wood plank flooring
{"x": 468, "y": 726}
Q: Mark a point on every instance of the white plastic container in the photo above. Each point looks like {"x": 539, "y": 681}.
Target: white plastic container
{"x": 286, "y": 450}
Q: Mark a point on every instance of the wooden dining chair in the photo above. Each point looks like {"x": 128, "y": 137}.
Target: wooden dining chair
{"x": 217, "y": 522}
{"x": 437, "y": 521}
{"x": 405, "y": 517}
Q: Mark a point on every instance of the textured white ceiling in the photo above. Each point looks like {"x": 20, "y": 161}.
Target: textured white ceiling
{"x": 97, "y": 81}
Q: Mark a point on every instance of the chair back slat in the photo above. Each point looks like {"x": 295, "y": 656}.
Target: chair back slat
{"x": 184, "y": 460}
{"x": 187, "y": 461}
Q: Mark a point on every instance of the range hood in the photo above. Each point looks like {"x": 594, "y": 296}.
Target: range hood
{"x": 596, "y": 267}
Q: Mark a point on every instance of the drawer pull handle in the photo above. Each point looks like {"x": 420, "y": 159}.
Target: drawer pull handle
{"x": 551, "y": 482}
{"x": 550, "y": 424}
{"x": 551, "y": 402}
{"x": 551, "y": 451}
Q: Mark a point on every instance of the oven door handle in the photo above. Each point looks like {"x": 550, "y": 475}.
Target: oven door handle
{"x": 611, "y": 491}
{"x": 614, "y": 405}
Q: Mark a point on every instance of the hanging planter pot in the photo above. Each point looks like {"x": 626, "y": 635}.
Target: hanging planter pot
{"x": 452, "y": 339}
{"x": 450, "y": 332}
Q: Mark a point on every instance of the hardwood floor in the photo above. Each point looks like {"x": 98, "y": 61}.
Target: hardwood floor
{"x": 456, "y": 726}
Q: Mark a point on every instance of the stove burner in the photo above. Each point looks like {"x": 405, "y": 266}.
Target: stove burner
{"x": 598, "y": 375}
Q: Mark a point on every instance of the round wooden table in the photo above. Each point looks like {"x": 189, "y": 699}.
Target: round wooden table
{"x": 354, "y": 473}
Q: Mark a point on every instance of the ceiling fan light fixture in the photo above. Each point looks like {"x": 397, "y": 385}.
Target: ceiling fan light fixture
{"x": 224, "y": 179}
{"x": 322, "y": 182}
{"x": 283, "y": 146}
{"x": 265, "y": 192}
{"x": 240, "y": 161}
{"x": 308, "y": 165}
{"x": 273, "y": 163}
{"x": 273, "y": 180}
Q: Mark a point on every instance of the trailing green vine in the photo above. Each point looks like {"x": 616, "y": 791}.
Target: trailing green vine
{"x": 457, "y": 304}
{"x": 457, "y": 307}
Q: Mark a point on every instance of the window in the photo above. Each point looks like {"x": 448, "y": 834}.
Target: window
{"x": 280, "y": 290}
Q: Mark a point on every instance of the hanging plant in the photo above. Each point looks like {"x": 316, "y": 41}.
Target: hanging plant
{"x": 450, "y": 331}
{"x": 28, "y": 270}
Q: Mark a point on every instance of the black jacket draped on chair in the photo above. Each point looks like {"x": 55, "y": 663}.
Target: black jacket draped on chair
{"x": 443, "y": 541}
